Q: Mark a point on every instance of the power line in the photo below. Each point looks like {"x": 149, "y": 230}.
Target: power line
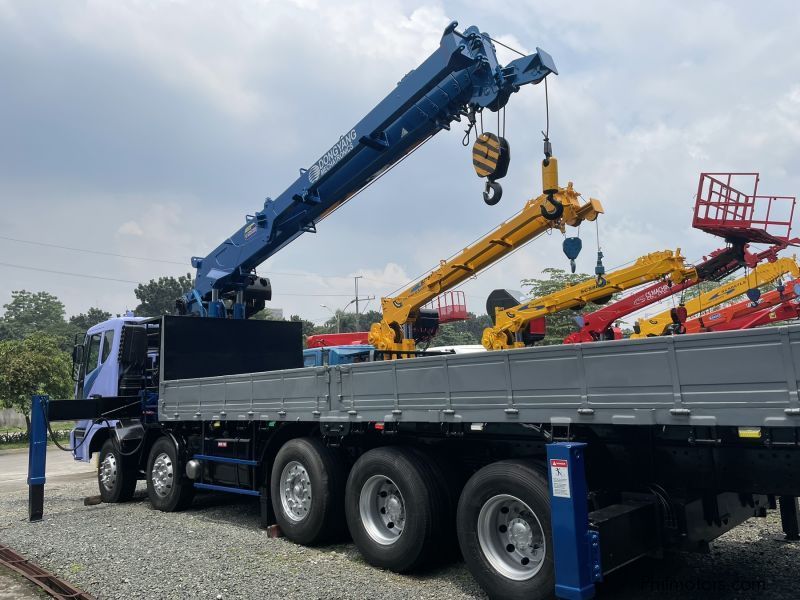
{"x": 88, "y": 276}
{"x": 176, "y": 262}
{"x": 85, "y": 275}
{"x": 100, "y": 252}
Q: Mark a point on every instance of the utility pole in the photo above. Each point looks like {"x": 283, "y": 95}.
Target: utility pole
{"x": 357, "y": 299}
{"x": 355, "y": 280}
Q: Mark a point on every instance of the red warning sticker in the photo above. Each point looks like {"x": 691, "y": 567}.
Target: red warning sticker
{"x": 559, "y": 475}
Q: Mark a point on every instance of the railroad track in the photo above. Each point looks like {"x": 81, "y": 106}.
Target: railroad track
{"x": 53, "y": 585}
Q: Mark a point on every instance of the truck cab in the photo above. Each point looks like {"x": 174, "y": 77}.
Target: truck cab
{"x": 97, "y": 372}
{"x": 338, "y": 355}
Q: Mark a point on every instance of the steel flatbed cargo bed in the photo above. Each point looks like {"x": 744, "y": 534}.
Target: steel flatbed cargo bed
{"x": 738, "y": 378}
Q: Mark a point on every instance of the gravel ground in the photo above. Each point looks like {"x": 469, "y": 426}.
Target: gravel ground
{"x": 216, "y": 550}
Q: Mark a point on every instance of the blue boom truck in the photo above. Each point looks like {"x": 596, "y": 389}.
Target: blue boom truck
{"x": 547, "y": 468}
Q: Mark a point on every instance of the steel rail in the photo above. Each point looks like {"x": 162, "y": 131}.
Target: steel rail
{"x": 53, "y": 585}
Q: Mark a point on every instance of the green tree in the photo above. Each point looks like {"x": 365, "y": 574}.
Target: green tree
{"x": 91, "y": 317}
{"x": 560, "y": 324}
{"x": 34, "y": 365}
{"x": 460, "y": 333}
{"x": 349, "y": 323}
{"x": 308, "y": 326}
{"x": 266, "y": 314}
{"x": 157, "y": 297}
{"x": 30, "y": 312}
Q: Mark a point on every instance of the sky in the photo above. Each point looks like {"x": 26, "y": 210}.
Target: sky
{"x": 145, "y": 131}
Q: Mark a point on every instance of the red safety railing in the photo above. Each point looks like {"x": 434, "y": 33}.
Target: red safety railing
{"x": 451, "y": 306}
{"x": 723, "y": 210}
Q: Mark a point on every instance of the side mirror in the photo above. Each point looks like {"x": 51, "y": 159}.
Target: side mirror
{"x": 77, "y": 361}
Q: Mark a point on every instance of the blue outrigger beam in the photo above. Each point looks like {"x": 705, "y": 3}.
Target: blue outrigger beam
{"x": 576, "y": 548}
{"x": 37, "y": 457}
{"x": 44, "y": 410}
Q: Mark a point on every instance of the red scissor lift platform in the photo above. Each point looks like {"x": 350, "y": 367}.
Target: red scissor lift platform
{"x": 723, "y": 210}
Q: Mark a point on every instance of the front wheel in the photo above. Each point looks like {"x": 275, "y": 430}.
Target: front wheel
{"x": 504, "y": 531}
{"x": 116, "y": 478}
{"x": 167, "y": 487}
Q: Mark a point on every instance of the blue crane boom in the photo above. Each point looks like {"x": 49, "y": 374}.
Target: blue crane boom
{"x": 460, "y": 78}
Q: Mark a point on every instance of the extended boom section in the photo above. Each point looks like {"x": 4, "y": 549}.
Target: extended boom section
{"x": 462, "y": 77}
{"x": 510, "y": 322}
{"x": 396, "y": 331}
{"x": 671, "y": 320}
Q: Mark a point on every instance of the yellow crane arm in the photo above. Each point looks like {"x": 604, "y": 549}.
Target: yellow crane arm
{"x": 399, "y": 312}
{"x": 510, "y": 321}
{"x": 761, "y": 274}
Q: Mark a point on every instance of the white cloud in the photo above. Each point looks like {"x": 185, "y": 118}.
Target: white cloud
{"x": 130, "y": 228}
{"x": 150, "y": 129}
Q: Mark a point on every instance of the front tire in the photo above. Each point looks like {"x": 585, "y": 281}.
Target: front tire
{"x": 504, "y": 530}
{"x": 167, "y": 486}
{"x": 396, "y": 508}
{"x": 116, "y": 478}
{"x": 307, "y": 489}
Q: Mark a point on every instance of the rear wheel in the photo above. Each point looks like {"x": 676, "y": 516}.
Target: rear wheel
{"x": 396, "y": 507}
{"x": 167, "y": 486}
{"x": 504, "y": 531}
{"x": 307, "y": 489}
{"x": 116, "y": 476}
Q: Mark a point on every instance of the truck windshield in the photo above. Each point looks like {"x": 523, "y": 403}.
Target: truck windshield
{"x": 92, "y": 352}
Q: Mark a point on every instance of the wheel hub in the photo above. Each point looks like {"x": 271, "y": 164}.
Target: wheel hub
{"x": 382, "y": 509}
{"x": 162, "y": 475}
{"x": 296, "y": 491}
{"x": 511, "y": 537}
{"x": 520, "y": 533}
{"x": 108, "y": 472}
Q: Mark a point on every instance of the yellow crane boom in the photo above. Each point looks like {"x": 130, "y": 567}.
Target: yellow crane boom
{"x": 394, "y": 332}
{"x": 509, "y": 322}
{"x": 662, "y": 323}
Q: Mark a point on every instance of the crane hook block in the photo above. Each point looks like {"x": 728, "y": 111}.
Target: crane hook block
{"x": 600, "y": 270}
{"x": 550, "y": 175}
{"x": 491, "y": 156}
{"x": 572, "y": 248}
{"x": 492, "y": 193}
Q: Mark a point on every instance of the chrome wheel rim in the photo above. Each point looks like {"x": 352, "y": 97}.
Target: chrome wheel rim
{"x": 511, "y": 537}
{"x": 108, "y": 471}
{"x": 382, "y": 510}
{"x": 162, "y": 475}
{"x": 295, "y": 491}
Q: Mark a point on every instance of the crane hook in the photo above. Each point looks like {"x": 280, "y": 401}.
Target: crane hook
{"x": 492, "y": 193}
{"x": 558, "y": 209}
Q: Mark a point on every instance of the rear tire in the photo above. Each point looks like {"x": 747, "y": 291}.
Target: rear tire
{"x": 307, "y": 489}
{"x": 167, "y": 485}
{"x": 116, "y": 475}
{"x": 397, "y": 508}
{"x": 504, "y": 530}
